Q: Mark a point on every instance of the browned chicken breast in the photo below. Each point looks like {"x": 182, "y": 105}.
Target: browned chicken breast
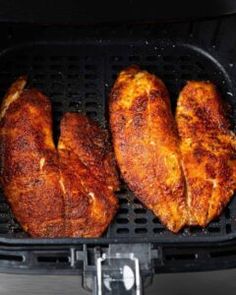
{"x": 88, "y": 176}
{"x": 208, "y": 151}
{"x": 54, "y": 192}
{"x": 29, "y": 171}
{"x": 91, "y": 144}
{"x": 146, "y": 144}
{"x": 186, "y": 179}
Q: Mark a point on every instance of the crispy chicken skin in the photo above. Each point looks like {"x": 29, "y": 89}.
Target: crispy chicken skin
{"x": 54, "y": 192}
{"x": 146, "y": 144}
{"x": 208, "y": 151}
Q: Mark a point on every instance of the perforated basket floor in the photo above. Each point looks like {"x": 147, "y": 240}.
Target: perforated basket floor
{"x": 76, "y": 69}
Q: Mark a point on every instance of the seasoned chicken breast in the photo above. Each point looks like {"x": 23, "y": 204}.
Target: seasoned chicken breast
{"x": 186, "y": 176}
{"x": 88, "y": 176}
{"x": 29, "y": 171}
{"x": 146, "y": 144}
{"x": 54, "y": 192}
{"x": 92, "y": 146}
{"x": 208, "y": 151}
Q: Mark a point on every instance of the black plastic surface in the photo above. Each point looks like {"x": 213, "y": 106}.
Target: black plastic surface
{"x": 103, "y": 11}
{"x": 52, "y": 259}
{"x": 76, "y": 67}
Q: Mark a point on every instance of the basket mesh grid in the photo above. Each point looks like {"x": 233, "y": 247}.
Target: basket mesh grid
{"x": 78, "y": 78}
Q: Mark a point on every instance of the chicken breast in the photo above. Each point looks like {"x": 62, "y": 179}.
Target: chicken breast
{"x": 92, "y": 146}
{"x": 29, "y": 164}
{"x": 54, "y": 192}
{"x": 146, "y": 144}
{"x": 88, "y": 176}
{"x": 208, "y": 151}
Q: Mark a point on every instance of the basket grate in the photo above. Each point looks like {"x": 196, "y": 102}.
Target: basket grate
{"x": 78, "y": 78}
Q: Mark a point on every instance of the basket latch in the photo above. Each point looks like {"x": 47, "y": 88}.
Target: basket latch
{"x": 122, "y": 269}
{"x": 118, "y": 273}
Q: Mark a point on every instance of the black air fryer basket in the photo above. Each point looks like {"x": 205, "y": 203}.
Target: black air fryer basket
{"x": 75, "y": 64}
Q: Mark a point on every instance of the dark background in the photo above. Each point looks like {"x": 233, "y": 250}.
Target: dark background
{"x": 90, "y": 11}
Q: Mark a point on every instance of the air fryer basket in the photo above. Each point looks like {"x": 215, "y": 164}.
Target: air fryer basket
{"x": 76, "y": 67}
